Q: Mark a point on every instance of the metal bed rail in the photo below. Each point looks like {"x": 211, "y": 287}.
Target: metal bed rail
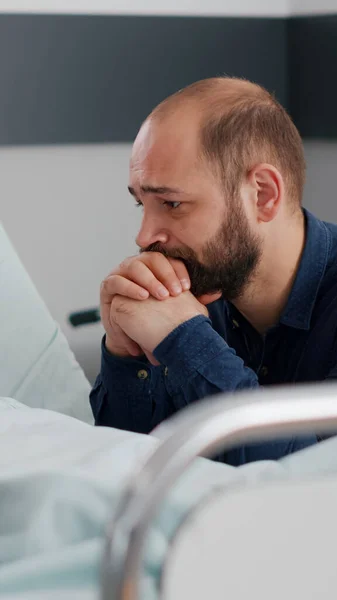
{"x": 203, "y": 429}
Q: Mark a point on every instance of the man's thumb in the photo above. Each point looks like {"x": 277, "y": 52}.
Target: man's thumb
{"x": 208, "y": 298}
{"x": 151, "y": 358}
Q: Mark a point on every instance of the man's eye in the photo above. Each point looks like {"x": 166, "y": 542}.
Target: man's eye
{"x": 171, "y": 205}
{"x": 138, "y": 204}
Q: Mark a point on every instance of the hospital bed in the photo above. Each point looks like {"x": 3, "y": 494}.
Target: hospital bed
{"x": 95, "y": 513}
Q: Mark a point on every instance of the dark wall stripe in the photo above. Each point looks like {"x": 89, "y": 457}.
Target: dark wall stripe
{"x": 81, "y": 78}
{"x": 75, "y": 79}
{"x": 312, "y": 47}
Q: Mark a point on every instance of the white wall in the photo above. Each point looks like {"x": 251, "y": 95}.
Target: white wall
{"x": 68, "y": 213}
{"x": 177, "y": 7}
{"x": 321, "y": 186}
{"x": 312, "y": 7}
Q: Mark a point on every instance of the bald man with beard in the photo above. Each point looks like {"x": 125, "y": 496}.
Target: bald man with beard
{"x": 235, "y": 284}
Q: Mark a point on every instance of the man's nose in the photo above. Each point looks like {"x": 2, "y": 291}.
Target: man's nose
{"x": 151, "y": 231}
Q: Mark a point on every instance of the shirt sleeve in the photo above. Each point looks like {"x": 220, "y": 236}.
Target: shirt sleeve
{"x": 199, "y": 364}
{"x": 121, "y": 396}
{"x": 272, "y": 450}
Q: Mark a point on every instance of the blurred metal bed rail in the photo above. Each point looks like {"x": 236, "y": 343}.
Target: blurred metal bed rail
{"x": 204, "y": 428}
{"x": 84, "y": 317}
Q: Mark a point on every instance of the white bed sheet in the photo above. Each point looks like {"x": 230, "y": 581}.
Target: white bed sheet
{"x": 59, "y": 482}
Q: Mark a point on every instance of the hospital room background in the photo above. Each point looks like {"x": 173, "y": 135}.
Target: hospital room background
{"x": 78, "y": 76}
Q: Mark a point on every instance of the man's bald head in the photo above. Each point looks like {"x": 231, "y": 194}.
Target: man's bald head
{"x": 240, "y": 125}
{"x": 221, "y": 92}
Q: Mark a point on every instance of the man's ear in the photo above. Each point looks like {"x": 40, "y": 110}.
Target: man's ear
{"x": 269, "y": 190}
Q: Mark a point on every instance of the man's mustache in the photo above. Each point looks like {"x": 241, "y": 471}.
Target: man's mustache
{"x": 185, "y": 255}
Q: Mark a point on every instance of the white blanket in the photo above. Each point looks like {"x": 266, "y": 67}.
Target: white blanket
{"x": 59, "y": 483}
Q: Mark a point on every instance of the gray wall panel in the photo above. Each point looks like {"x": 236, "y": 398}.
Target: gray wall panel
{"x": 312, "y": 47}
{"x": 77, "y": 79}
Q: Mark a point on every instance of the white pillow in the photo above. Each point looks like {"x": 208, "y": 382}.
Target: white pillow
{"x": 35, "y": 360}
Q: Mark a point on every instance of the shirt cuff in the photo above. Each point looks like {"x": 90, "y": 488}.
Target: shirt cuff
{"x": 187, "y": 348}
{"x": 127, "y": 381}
{"x": 113, "y": 359}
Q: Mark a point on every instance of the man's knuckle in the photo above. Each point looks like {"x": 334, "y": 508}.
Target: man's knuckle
{"x": 115, "y": 301}
{"x": 132, "y": 266}
{"x": 105, "y": 285}
{"x": 135, "y": 273}
{"x": 125, "y": 264}
{"x": 122, "y": 309}
{"x": 119, "y": 305}
{"x": 121, "y": 267}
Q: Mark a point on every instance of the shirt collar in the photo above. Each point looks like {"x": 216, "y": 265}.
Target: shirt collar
{"x": 302, "y": 298}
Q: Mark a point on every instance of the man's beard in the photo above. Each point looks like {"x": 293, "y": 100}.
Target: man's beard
{"x": 228, "y": 260}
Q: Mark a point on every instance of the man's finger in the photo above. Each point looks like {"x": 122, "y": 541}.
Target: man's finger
{"x": 133, "y": 348}
{"x": 125, "y": 342}
{"x": 164, "y": 271}
{"x": 151, "y": 358}
{"x": 148, "y": 278}
{"x": 181, "y": 272}
{"x": 118, "y": 285}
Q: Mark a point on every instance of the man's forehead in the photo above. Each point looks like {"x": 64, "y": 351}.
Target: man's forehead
{"x": 143, "y": 142}
{"x": 164, "y": 146}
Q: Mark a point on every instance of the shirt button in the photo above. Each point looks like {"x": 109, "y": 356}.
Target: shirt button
{"x": 142, "y": 374}
{"x": 264, "y": 371}
{"x": 166, "y": 371}
{"x": 235, "y": 323}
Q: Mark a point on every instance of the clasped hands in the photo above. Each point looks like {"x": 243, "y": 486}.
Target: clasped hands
{"x": 143, "y": 301}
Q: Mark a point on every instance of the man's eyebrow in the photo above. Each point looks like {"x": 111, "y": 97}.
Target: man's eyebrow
{"x": 149, "y": 189}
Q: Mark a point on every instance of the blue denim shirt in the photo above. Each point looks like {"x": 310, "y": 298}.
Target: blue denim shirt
{"x": 225, "y": 353}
